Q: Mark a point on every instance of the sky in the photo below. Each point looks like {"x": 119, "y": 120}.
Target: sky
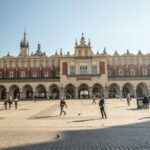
{"x": 117, "y": 25}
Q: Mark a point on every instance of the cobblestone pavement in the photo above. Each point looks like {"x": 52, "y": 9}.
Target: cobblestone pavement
{"x": 35, "y": 126}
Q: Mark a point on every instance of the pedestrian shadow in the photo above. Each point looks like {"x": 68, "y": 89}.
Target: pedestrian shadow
{"x": 84, "y": 120}
{"x": 132, "y": 109}
{"x": 42, "y": 117}
{"x": 144, "y": 118}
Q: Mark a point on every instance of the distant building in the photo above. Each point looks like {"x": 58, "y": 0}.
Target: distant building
{"x": 81, "y": 75}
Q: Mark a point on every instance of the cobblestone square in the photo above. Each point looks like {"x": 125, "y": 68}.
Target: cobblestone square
{"x": 35, "y": 126}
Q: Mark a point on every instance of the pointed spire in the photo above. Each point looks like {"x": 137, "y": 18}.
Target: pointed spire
{"x": 139, "y": 52}
{"x": 97, "y": 53}
{"x": 82, "y": 41}
{"x": 104, "y": 51}
{"x": 89, "y": 43}
{"x": 116, "y": 52}
{"x": 76, "y": 43}
{"x": 68, "y": 53}
{"x": 39, "y": 48}
{"x": 56, "y": 53}
{"x": 60, "y": 51}
{"x": 128, "y": 51}
{"x": 8, "y": 54}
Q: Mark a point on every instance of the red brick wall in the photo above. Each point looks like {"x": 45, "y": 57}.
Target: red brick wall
{"x": 64, "y": 68}
{"x": 102, "y": 67}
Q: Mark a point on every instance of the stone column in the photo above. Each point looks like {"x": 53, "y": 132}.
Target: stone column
{"x": 90, "y": 92}
{"x": 47, "y": 94}
{"x": 21, "y": 94}
{"x": 7, "y": 93}
{"x": 105, "y": 92}
{"x": 76, "y": 93}
{"x": 120, "y": 93}
{"x": 148, "y": 90}
{"x": 34, "y": 93}
{"x": 135, "y": 92}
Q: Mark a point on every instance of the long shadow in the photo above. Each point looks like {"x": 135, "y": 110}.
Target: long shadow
{"x": 85, "y": 120}
{"x": 133, "y": 136}
{"x": 44, "y": 117}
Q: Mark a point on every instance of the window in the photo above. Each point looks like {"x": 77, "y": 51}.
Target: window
{"x": 132, "y": 72}
{"x": 22, "y": 74}
{"x": 0, "y": 74}
{"x": 83, "y": 69}
{"x": 79, "y": 52}
{"x": 144, "y": 72}
{"x": 94, "y": 69}
{"x": 72, "y": 70}
{"x": 46, "y": 74}
{"x": 34, "y": 74}
{"x": 109, "y": 73}
{"x": 120, "y": 72}
{"x": 11, "y": 74}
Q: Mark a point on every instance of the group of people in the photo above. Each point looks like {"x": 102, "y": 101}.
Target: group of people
{"x": 9, "y": 101}
{"x": 145, "y": 101}
{"x": 101, "y": 105}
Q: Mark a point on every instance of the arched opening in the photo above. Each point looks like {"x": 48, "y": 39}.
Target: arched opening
{"x": 127, "y": 88}
{"x": 114, "y": 91}
{"x": 3, "y": 92}
{"x": 27, "y": 92}
{"x": 97, "y": 90}
{"x": 83, "y": 91}
{"x": 41, "y": 91}
{"x": 70, "y": 91}
{"x": 54, "y": 92}
{"x": 14, "y": 91}
{"x": 141, "y": 90}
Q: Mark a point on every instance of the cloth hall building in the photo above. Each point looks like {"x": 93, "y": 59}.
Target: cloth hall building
{"x": 80, "y": 75}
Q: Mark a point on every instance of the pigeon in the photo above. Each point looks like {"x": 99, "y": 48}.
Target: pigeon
{"x": 58, "y": 135}
{"x": 79, "y": 114}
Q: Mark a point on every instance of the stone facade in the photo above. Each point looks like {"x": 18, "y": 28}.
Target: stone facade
{"x": 81, "y": 75}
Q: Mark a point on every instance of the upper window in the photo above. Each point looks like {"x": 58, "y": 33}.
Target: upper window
{"x": 46, "y": 74}
{"x": 144, "y": 72}
{"x": 94, "y": 69}
{"x": 83, "y": 69}
{"x": 109, "y": 73}
{"x": 72, "y": 70}
{"x": 34, "y": 74}
{"x": 0, "y": 74}
{"x": 132, "y": 72}
{"x": 22, "y": 74}
{"x": 11, "y": 74}
{"x": 120, "y": 72}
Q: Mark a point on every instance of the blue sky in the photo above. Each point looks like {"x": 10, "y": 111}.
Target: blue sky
{"x": 114, "y": 24}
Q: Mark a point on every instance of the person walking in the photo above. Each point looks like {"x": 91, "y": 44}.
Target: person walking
{"x": 10, "y": 101}
{"x": 16, "y": 102}
{"x": 5, "y": 103}
{"x": 102, "y": 107}
{"x": 62, "y": 104}
{"x": 94, "y": 100}
{"x": 145, "y": 102}
{"x": 35, "y": 98}
{"x": 128, "y": 99}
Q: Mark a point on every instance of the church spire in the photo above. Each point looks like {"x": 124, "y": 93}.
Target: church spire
{"x": 24, "y": 46}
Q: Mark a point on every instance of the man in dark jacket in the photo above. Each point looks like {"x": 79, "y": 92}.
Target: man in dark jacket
{"x": 102, "y": 107}
{"x": 145, "y": 102}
